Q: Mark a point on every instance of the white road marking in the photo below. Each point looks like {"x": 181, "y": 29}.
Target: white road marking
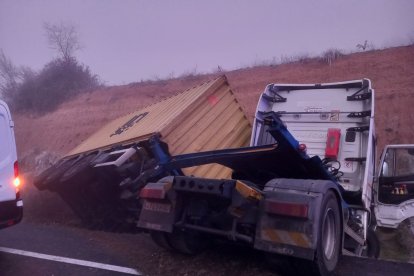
{"x": 71, "y": 261}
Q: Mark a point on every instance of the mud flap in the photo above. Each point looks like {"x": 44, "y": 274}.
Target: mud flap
{"x": 291, "y": 232}
{"x": 158, "y": 213}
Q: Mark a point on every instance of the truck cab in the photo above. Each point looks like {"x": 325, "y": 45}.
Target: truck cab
{"x": 335, "y": 121}
{"x": 11, "y": 204}
{"x": 394, "y": 186}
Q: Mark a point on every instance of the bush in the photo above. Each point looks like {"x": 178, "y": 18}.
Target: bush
{"x": 330, "y": 55}
{"x": 58, "y": 81}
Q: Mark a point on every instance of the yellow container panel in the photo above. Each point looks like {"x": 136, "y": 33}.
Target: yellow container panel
{"x": 206, "y": 117}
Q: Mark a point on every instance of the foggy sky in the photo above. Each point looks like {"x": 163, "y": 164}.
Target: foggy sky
{"x": 129, "y": 40}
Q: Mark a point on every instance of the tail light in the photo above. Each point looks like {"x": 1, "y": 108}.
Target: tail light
{"x": 154, "y": 191}
{"x": 332, "y": 143}
{"x": 290, "y": 209}
{"x": 16, "y": 180}
{"x": 302, "y": 147}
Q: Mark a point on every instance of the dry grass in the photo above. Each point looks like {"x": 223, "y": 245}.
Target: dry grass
{"x": 390, "y": 71}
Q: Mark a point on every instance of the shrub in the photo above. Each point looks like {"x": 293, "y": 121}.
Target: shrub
{"x": 58, "y": 81}
{"x": 330, "y": 55}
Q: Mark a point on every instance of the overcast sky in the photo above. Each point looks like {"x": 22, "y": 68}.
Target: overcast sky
{"x": 129, "y": 40}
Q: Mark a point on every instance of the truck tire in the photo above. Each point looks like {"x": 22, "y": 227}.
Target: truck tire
{"x": 285, "y": 265}
{"x": 329, "y": 237}
{"x": 373, "y": 245}
{"x": 81, "y": 170}
{"x": 187, "y": 242}
{"x": 50, "y": 178}
{"x": 161, "y": 239}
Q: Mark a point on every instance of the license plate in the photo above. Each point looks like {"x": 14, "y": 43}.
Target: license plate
{"x": 157, "y": 207}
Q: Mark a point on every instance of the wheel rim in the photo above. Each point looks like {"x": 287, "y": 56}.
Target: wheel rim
{"x": 328, "y": 234}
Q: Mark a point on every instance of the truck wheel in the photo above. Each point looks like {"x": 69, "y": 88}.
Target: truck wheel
{"x": 50, "y": 178}
{"x": 285, "y": 265}
{"x": 187, "y": 242}
{"x": 81, "y": 170}
{"x": 373, "y": 245}
{"x": 161, "y": 239}
{"x": 329, "y": 236}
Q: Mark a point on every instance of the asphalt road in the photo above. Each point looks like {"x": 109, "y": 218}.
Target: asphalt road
{"x": 36, "y": 249}
{"x": 57, "y": 249}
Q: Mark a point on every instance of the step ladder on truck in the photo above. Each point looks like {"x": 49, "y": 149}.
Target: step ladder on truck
{"x": 307, "y": 187}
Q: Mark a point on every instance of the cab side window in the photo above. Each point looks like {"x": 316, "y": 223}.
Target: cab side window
{"x": 404, "y": 162}
{"x": 398, "y": 162}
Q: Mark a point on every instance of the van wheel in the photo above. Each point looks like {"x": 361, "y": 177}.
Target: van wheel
{"x": 329, "y": 236}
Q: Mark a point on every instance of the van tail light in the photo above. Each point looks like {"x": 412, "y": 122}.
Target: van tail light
{"x": 333, "y": 140}
{"x": 290, "y": 209}
{"x": 16, "y": 180}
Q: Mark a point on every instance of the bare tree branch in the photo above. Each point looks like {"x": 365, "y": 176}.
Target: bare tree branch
{"x": 9, "y": 74}
{"x": 62, "y": 38}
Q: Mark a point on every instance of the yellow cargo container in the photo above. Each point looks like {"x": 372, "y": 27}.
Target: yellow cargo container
{"x": 206, "y": 117}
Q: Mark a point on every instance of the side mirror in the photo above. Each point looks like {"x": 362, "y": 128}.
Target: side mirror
{"x": 384, "y": 170}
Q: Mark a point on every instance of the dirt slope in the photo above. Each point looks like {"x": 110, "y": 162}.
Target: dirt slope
{"x": 390, "y": 70}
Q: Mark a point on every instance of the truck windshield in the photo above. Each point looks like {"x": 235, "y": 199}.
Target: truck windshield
{"x": 398, "y": 162}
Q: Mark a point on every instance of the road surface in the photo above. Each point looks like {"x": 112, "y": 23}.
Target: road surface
{"x": 54, "y": 249}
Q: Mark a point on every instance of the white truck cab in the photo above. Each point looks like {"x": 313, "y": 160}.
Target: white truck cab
{"x": 394, "y": 186}
{"x": 336, "y": 122}
{"x": 11, "y": 204}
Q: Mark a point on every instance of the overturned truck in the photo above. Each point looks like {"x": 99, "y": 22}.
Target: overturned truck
{"x": 307, "y": 186}
{"x": 101, "y": 178}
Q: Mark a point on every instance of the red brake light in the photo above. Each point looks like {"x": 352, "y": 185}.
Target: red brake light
{"x": 16, "y": 180}
{"x": 155, "y": 193}
{"x": 287, "y": 208}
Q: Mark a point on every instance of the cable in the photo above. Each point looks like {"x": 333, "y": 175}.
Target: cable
{"x": 333, "y": 167}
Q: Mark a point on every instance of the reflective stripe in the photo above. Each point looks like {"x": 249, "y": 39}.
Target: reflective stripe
{"x": 247, "y": 191}
{"x": 286, "y": 237}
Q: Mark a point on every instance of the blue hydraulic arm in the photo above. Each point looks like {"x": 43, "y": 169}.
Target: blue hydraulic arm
{"x": 283, "y": 159}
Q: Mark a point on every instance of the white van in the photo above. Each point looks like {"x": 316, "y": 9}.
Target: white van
{"x": 11, "y": 204}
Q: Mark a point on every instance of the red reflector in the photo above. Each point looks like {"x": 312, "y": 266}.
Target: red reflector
{"x": 156, "y": 193}
{"x": 302, "y": 147}
{"x": 333, "y": 140}
{"x": 287, "y": 208}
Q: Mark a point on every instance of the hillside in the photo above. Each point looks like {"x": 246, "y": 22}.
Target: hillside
{"x": 391, "y": 71}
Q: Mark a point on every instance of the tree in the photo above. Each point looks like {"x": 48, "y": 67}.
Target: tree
{"x": 62, "y": 38}
{"x": 9, "y": 75}
{"x": 58, "y": 81}
{"x": 362, "y": 46}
